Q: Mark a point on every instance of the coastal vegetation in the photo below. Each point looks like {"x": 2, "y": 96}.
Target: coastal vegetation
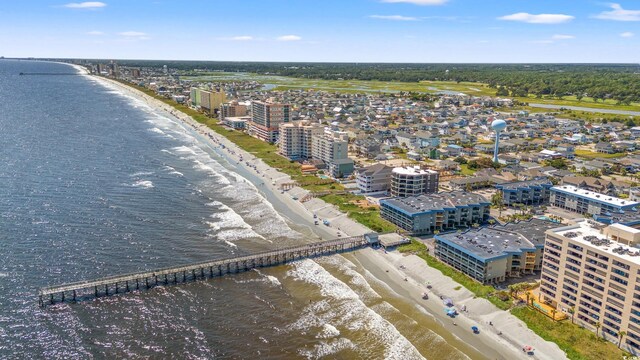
{"x": 614, "y": 86}
{"x": 578, "y": 343}
{"x": 368, "y": 216}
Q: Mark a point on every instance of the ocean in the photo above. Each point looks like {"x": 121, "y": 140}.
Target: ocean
{"x": 95, "y": 183}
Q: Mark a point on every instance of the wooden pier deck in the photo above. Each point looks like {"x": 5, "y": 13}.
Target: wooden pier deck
{"x": 202, "y": 270}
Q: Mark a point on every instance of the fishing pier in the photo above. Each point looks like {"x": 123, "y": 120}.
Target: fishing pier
{"x": 144, "y": 280}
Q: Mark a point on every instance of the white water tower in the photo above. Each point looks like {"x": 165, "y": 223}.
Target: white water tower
{"x": 498, "y": 126}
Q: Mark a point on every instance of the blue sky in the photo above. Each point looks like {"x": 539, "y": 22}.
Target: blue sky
{"x": 325, "y": 30}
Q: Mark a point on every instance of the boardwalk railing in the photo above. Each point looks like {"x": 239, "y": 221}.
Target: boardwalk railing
{"x": 202, "y": 270}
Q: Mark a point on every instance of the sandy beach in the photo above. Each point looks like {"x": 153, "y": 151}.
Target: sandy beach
{"x": 406, "y": 276}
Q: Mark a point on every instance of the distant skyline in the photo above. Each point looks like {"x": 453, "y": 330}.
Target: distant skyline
{"x": 418, "y": 31}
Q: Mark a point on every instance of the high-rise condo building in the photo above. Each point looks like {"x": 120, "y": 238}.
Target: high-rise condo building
{"x": 266, "y": 118}
{"x": 591, "y": 272}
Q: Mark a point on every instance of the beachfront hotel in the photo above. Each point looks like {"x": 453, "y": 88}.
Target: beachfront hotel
{"x": 296, "y": 139}
{"x": 207, "y": 100}
{"x": 530, "y": 192}
{"x": 493, "y": 254}
{"x": 266, "y": 118}
{"x": 424, "y": 214}
{"x": 595, "y": 270}
{"x": 332, "y": 146}
{"x": 374, "y": 178}
{"x": 412, "y": 181}
{"x": 582, "y": 201}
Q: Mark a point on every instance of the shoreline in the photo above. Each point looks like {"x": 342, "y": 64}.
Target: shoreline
{"x": 488, "y": 343}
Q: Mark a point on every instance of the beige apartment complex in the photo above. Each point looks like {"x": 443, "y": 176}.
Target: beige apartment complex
{"x": 593, "y": 270}
{"x": 296, "y": 139}
{"x": 232, "y": 109}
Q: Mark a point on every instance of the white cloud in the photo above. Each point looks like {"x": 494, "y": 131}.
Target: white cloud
{"x": 394, "y": 17}
{"x": 538, "y": 19}
{"x": 627, "y": 34}
{"x": 288, "y": 38}
{"x": 417, "y": 2}
{"x": 619, "y": 14}
{"x": 562, "y": 37}
{"x": 132, "y": 33}
{"x": 542, "y": 42}
{"x": 86, "y": 5}
{"x": 95, "y": 32}
{"x": 242, "y": 38}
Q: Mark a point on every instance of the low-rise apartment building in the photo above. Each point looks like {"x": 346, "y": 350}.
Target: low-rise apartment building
{"x": 588, "y": 202}
{"x": 425, "y": 214}
{"x": 530, "y": 192}
{"x": 412, "y": 181}
{"x": 493, "y": 254}
{"x": 593, "y": 271}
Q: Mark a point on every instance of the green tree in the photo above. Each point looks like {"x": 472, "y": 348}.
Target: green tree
{"x": 572, "y": 311}
{"x": 460, "y": 160}
{"x": 621, "y": 335}
{"x": 561, "y": 164}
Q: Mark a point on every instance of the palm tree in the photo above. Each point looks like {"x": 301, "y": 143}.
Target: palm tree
{"x": 621, "y": 334}
{"x": 572, "y": 311}
{"x": 598, "y": 328}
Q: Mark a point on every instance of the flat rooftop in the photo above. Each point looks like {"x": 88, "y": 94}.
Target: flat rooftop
{"x": 439, "y": 201}
{"x": 488, "y": 243}
{"x": 533, "y": 230}
{"x": 523, "y": 184}
{"x": 587, "y": 234}
{"x": 412, "y": 170}
{"x": 592, "y": 195}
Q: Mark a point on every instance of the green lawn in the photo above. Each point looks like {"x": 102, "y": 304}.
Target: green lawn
{"x": 595, "y": 155}
{"x": 586, "y": 102}
{"x": 578, "y": 343}
{"x": 464, "y": 170}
